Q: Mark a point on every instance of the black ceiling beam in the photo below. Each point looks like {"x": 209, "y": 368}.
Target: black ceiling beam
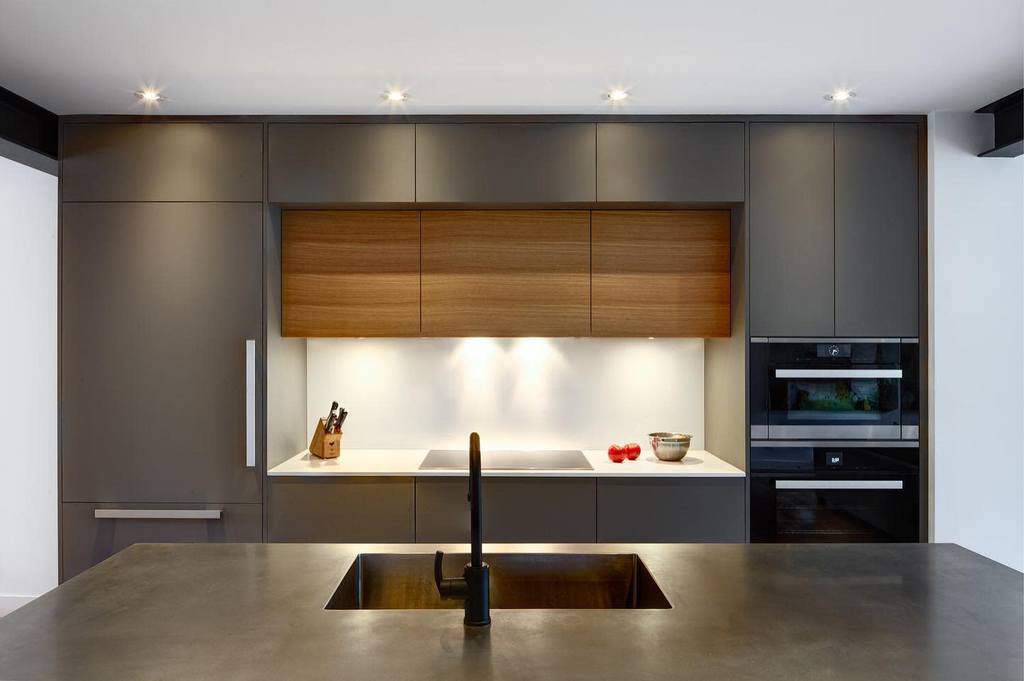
{"x": 27, "y": 124}
{"x": 1008, "y": 114}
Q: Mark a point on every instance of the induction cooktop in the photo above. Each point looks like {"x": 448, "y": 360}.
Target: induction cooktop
{"x": 508, "y": 460}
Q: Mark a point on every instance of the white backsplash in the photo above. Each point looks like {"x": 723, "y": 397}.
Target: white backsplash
{"x": 528, "y": 393}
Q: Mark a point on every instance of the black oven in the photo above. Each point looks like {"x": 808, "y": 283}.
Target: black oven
{"x": 833, "y": 389}
{"x": 834, "y": 493}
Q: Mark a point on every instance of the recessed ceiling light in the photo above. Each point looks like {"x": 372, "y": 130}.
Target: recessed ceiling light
{"x": 395, "y": 95}
{"x": 149, "y": 95}
{"x": 617, "y": 95}
{"x": 840, "y": 95}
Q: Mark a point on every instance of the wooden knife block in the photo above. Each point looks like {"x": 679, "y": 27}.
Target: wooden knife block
{"x": 325, "y": 445}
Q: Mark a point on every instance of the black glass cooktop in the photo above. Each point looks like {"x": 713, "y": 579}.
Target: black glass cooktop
{"x": 508, "y": 460}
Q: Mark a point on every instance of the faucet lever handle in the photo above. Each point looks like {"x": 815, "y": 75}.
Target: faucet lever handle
{"x": 438, "y": 573}
{"x": 450, "y": 587}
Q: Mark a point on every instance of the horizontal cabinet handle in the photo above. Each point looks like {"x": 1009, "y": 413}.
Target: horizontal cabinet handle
{"x": 838, "y": 484}
{"x": 157, "y": 514}
{"x": 839, "y": 373}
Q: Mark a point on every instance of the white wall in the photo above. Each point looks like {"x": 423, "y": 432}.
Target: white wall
{"x": 528, "y": 393}
{"x": 28, "y": 391}
{"x": 976, "y": 285}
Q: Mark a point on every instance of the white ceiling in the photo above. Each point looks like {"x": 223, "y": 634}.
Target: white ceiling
{"x": 518, "y": 56}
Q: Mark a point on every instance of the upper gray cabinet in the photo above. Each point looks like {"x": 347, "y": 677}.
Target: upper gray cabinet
{"x": 792, "y": 235}
{"x": 671, "y": 162}
{"x": 341, "y": 163}
{"x": 876, "y": 229}
{"x": 505, "y": 163}
{"x": 162, "y": 162}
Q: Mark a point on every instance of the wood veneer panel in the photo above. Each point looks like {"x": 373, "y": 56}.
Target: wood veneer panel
{"x": 506, "y": 273}
{"x": 350, "y": 273}
{"x": 661, "y": 273}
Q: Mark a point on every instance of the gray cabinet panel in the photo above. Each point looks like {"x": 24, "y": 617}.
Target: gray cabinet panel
{"x": 527, "y": 509}
{"x": 87, "y": 540}
{"x": 350, "y": 509}
{"x": 792, "y": 236}
{"x": 157, "y": 300}
{"x": 505, "y": 162}
{"x": 670, "y": 510}
{"x": 162, "y": 162}
{"x": 341, "y": 163}
{"x": 876, "y": 229}
{"x": 670, "y": 162}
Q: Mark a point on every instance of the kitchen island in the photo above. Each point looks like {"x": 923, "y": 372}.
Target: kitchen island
{"x": 764, "y": 612}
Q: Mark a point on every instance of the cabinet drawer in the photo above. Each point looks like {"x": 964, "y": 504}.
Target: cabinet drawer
{"x": 162, "y": 162}
{"x": 514, "y": 510}
{"x": 662, "y": 510}
{"x": 87, "y": 539}
{"x": 345, "y": 510}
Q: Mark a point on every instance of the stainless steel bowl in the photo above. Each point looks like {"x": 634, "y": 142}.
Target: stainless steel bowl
{"x": 670, "y": 446}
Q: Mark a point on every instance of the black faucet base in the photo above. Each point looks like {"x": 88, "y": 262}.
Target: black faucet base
{"x": 478, "y": 607}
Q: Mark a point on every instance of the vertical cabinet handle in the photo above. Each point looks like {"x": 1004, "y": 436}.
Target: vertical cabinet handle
{"x": 250, "y": 403}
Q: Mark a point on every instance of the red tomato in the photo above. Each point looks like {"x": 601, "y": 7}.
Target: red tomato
{"x": 632, "y": 451}
{"x": 617, "y": 454}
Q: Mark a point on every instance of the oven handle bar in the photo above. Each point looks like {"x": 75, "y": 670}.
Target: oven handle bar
{"x": 839, "y": 373}
{"x": 838, "y": 484}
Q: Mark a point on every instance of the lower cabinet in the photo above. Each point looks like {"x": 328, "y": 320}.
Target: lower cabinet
{"x": 670, "y": 510}
{"x": 94, "y": 532}
{"x": 342, "y": 509}
{"x": 514, "y": 510}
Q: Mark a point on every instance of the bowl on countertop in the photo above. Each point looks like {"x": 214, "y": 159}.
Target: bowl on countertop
{"x": 670, "y": 446}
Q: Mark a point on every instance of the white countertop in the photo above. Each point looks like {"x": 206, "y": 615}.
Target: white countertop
{"x": 406, "y": 462}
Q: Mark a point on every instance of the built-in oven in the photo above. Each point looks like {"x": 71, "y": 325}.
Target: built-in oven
{"x": 820, "y": 492}
{"x": 834, "y": 389}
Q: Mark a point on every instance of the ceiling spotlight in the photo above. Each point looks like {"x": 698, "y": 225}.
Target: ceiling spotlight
{"x": 841, "y": 95}
{"x": 617, "y": 95}
{"x": 149, "y": 96}
{"x": 396, "y": 96}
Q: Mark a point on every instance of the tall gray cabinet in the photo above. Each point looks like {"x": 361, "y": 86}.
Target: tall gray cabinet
{"x": 160, "y": 336}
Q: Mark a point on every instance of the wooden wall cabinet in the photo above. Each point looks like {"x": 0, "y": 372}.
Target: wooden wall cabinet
{"x": 661, "y": 273}
{"x": 350, "y": 273}
{"x": 506, "y": 273}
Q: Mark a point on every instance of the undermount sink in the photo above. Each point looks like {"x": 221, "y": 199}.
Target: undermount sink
{"x": 404, "y": 581}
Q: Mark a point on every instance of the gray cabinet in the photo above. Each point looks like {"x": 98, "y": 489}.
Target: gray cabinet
{"x": 336, "y": 509}
{"x": 671, "y": 162}
{"x": 792, "y": 235}
{"x": 87, "y": 540}
{"x": 162, "y": 162}
{"x": 876, "y": 229}
{"x": 341, "y": 163}
{"x": 505, "y": 162}
{"x": 670, "y": 510}
{"x": 157, "y": 302}
{"x": 527, "y": 509}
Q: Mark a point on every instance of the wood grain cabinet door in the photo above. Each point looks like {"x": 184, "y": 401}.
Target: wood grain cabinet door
{"x": 661, "y": 273}
{"x": 506, "y": 273}
{"x": 350, "y": 273}
{"x": 157, "y": 303}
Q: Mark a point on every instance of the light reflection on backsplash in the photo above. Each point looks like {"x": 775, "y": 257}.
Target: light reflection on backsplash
{"x": 528, "y": 393}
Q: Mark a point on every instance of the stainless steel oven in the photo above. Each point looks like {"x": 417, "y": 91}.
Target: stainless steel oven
{"x": 822, "y": 492}
{"x": 833, "y": 389}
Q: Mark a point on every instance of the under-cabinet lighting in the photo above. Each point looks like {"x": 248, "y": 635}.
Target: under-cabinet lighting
{"x": 839, "y": 96}
{"x": 617, "y": 95}
{"x": 149, "y": 96}
{"x": 396, "y": 96}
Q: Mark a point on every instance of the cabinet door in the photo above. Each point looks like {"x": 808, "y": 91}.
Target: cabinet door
{"x": 876, "y": 229}
{"x": 162, "y": 162}
{"x": 792, "y": 236}
{"x": 341, "y": 163}
{"x": 667, "y": 510}
{"x": 506, "y": 273}
{"x": 350, "y": 273}
{"x": 87, "y": 540}
{"x": 670, "y": 162}
{"x": 505, "y": 162}
{"x": 350, "y": 509}
{"x": 157, "y": 302}
{"x": 661, "y": 273}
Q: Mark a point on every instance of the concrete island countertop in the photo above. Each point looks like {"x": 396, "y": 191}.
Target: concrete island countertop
{"x": 406, "y": 462}
{"x": 876, "y": 612}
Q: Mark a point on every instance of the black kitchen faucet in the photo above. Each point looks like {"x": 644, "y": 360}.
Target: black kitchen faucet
{"x": 474, "y": 586}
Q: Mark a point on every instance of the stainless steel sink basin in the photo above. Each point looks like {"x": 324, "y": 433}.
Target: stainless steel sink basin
{"x": 404, "y": 581}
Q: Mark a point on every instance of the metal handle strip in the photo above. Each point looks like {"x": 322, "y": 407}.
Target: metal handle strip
{"x": 838, "y": 484}
{"x": 156, "y": 514}
{"x": 250, "y": 403}
{"x": 839, "y": 373}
